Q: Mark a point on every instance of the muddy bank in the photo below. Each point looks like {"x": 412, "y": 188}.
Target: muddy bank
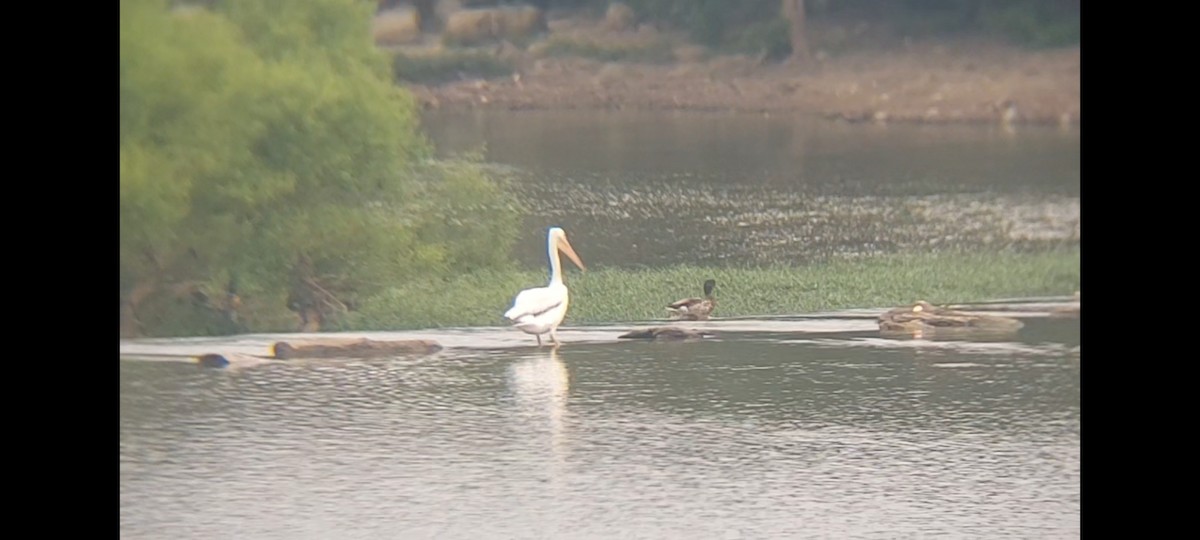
{"x": 928, "y": 83}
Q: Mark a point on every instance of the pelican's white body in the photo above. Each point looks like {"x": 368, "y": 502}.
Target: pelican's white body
{"x": 540, "y": 310}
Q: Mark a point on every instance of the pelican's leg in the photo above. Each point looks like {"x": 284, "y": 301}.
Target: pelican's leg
{"x": 539, "y": 338}
{"x": 554, "y": 337}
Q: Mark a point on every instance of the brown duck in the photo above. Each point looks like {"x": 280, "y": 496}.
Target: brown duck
{"x": 695, "y": 309}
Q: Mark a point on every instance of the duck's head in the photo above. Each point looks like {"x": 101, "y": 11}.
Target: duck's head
{"x": 708, "y": 286}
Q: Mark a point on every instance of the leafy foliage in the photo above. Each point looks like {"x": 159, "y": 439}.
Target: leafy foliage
{"x": 265, "y": 129}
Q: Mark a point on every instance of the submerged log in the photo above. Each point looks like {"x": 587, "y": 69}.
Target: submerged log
{"x": 666, "y": 333}
{"x": 353, "y": 348}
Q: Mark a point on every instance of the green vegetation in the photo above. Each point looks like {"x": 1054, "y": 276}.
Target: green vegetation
{"x": 261, "y": 133}
{"x": 1033, "y": 23}
{"x": 654, "y": 51}
{"x": 757, "y": 25}
{"x": 616, "y": 295}
{"x": 449, "y": 65}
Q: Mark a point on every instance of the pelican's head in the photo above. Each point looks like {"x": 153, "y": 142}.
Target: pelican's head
{"x": 558, "y": 239}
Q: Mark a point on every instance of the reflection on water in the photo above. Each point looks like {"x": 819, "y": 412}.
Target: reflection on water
{"x": 540, "y": 384}
{"x": 751, "y": 435}
{"x": 638, "y": 188}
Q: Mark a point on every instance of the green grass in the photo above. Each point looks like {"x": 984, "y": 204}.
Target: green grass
{"x": 614, "y": 295}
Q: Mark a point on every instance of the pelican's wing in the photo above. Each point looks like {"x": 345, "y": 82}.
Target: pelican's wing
{"x": 533, "y": 302}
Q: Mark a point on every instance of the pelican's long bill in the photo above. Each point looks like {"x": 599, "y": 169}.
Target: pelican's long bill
{"x": 565, "y": 247}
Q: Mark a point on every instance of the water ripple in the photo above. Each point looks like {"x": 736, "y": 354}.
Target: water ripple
{"x": 715, "y": 439}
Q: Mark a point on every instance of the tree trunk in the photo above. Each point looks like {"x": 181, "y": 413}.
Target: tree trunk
{"x": 427, "y": 13}
{"x": 310, "y": 320}
{"x": 793, "y": 11}
{"x": 303, "y": 298}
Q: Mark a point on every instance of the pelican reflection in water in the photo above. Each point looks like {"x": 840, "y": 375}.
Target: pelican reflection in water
{"x": 540, "y": 384}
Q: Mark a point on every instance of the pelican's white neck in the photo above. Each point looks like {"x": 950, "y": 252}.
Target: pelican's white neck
{"x": 555, "y": 262}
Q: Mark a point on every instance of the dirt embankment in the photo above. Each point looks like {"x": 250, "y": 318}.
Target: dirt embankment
{"x": 930, "y": 82}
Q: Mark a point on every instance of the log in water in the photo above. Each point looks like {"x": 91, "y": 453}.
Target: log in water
{"x": 324, "y": 348}
{"x": 666, "y": 333}
{"x": 352, "y": 348}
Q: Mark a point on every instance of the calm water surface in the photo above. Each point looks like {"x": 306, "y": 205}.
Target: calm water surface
{"x": 802, "y": 427}
{"x": 651, "y": 189}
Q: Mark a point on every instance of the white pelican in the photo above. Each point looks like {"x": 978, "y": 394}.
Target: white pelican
{"x": 540, "y": 310}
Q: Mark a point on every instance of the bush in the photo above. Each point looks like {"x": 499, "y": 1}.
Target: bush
{"x": 1037, "y": 24}
{"x": 263, "y": 130}
{"x": 448, "y": 66}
